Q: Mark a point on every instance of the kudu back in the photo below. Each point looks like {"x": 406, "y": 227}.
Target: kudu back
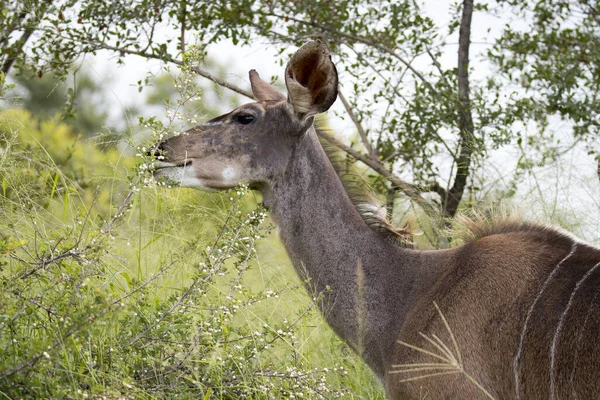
{"x": 514, "y": 313}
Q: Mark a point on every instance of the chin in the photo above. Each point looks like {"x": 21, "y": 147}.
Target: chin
{"x": 182, "y": 177}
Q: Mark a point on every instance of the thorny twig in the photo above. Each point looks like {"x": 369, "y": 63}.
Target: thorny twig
{"x": 119, "y": 212}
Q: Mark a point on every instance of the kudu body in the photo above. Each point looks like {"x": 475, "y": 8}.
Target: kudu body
{"x": 512, "y": 314}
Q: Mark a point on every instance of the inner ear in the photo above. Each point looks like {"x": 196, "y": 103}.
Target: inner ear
{"x": 311, "y": 80}
{"x": 302, "y": 72}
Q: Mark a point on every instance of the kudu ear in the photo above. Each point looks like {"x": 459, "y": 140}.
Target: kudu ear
{"x": 311, "y": 80}
{"x": 262, "y": 90}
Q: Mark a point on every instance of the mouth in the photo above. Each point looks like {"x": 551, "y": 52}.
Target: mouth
{"x": 180, "y": 174}
{"x": 172, "y": 173}
{"x": 158, "y": 165}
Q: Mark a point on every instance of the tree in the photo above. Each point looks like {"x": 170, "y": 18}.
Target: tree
{"x": 408, "y": 110}
{"x": 555, "y": 60}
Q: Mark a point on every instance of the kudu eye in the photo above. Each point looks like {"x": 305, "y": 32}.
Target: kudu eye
{"x": 244, "y": 119}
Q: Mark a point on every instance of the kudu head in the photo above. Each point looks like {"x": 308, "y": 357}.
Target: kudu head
{"x": 253, "y": 144}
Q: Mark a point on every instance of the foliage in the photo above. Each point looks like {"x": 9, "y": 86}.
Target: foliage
{"x": 80, "y": 105}
{"x": 554, "y": 59}
{"x": 47, "y": 160}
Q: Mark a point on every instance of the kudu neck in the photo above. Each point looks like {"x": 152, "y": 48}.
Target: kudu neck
{"x": 353, "y": 270}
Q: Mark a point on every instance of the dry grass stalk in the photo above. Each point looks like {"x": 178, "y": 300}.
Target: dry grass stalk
{"x": 451, "y": 361}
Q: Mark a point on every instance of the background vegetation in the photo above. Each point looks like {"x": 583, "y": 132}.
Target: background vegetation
{"x": 115, "y": 286}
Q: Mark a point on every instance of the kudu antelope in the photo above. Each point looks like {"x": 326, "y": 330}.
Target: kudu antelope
{"x": 514, "y": 313}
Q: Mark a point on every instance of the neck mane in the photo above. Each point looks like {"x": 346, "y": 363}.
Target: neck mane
{"x": 373, "y": 212}
{"x": 364, "y": 282}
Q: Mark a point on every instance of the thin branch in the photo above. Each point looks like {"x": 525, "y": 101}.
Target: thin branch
{"x": 196, "y": 70}
{"x": 156, "y": 275}
{"x": 119, "y": 212}
{"x": 218, "y": 80}
{"x": 43, "y": 263}
{"x": 150, "y": 35}
{"x": 400, "y": 95}
{"x": 361, "y": 131}
{"x": 409, "y": 189}
{"x": 437, "y": 66}
{"x": 49, "y": 310}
